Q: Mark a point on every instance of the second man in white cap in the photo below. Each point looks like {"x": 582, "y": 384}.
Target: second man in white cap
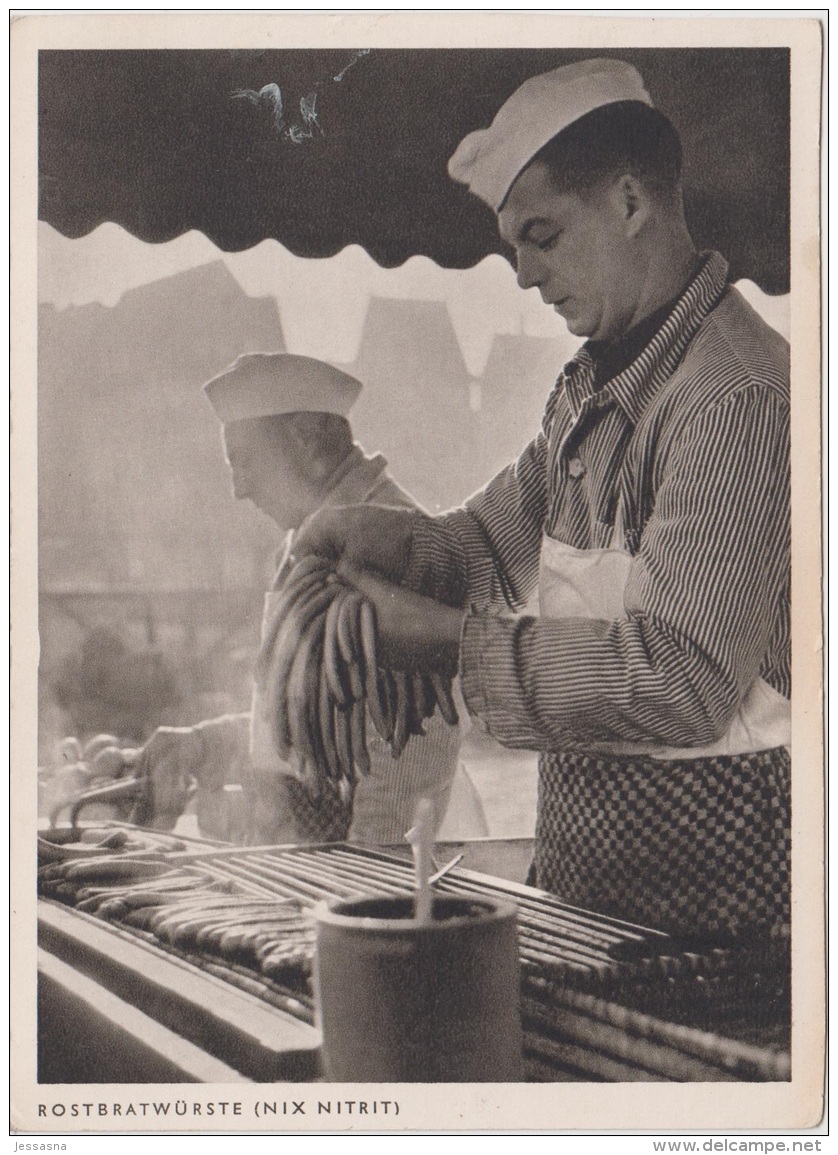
{"x": 290, "y": 450}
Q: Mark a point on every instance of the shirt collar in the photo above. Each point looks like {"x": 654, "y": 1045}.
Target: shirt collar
{"x": 631, "y": 371}
{"x": 351, "y": 483}
{"x": 612, "y": 357}
{"x": 357, "y": 476}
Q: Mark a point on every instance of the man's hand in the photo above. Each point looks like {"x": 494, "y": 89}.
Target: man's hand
{"x": 414, "y": 632}
{"x": 171, "y": 760}
{"x": 368, "y": 537}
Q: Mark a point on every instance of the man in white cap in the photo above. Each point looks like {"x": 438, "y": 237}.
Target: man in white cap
{"x": 651, "y": 511}
{"x": 290, "y": 450}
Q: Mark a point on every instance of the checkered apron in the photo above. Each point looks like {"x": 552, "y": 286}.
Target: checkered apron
{"x": 691, "y": 847}
{"x": 324, "y": 818}
{"x": 693, "y": 841}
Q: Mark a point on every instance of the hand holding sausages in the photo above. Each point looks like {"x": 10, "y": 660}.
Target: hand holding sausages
{"x": 170, "y": 761}
{"x": 369, "y": 537}
{"x": 414, "y": 632}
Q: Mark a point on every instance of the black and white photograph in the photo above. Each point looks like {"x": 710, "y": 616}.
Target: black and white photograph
{"x": 416, "y": 577}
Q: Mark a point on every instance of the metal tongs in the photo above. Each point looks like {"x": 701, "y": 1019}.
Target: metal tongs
{"x": 127, "y": 789}
{"x": 443, "y": 870}
{"x": 137, "y": 789}
{"x": 420, "y": 838}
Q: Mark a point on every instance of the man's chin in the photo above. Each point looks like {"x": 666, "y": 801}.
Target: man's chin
{"x": 578, "y": 327}
{"x": 589, "y": 331}
{"x": 287, "y": 522}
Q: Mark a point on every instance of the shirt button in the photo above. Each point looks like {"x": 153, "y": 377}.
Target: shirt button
{"x": 576, "y": 468}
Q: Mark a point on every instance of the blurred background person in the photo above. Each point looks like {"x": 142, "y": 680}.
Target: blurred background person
{"x": 109, "y": 687}
{"x": 290, "y": 450}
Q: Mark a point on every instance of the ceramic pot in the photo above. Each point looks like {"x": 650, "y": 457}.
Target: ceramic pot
{"x": 404, "y": 1001}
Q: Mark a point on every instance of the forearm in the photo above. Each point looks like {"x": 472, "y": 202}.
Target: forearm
{"x": 413, "y": 631}
{"x": 437, "y": 565}
{"x": 425, "y": 640}
{"x": 551, "y": 685}
{"x": 455, "y": 561}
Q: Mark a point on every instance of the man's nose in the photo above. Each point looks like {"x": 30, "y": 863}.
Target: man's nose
{"x": 530, "y": 271}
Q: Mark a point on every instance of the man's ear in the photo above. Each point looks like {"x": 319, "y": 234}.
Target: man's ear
{"x": 631, "y": 201}
{"x": 307, "y": 434}
{"x": 302, "y": 428}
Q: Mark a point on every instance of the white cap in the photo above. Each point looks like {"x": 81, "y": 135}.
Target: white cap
{"x": 267, "y": 384}
{"x": 489, "y": 160}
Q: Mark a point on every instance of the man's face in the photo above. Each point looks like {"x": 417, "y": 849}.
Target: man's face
{"x": 266, "y": 469}
{"x": 578, "y": 251}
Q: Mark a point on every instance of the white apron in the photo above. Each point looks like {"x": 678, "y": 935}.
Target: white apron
{"x": 591, "y": 583}
{"x": 695, "y": 841}
{"x": 263, "y": 750}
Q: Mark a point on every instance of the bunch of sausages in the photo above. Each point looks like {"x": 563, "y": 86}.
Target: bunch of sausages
{"x": 322, "y": 649}
{"x": 183, "y": 908}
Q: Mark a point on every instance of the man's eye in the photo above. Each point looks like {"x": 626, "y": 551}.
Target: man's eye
{"x": 547, "y": 243}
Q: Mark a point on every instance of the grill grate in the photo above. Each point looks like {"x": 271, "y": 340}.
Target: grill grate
{"x": 601, "y": 998}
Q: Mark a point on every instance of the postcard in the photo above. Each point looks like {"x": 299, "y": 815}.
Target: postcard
{"x": 400, "y": 496}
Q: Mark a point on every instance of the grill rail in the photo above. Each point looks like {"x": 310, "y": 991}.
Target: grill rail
{"x": 601, "y": 999}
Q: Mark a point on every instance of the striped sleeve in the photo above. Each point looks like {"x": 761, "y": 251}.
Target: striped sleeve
{"x": 700, "y": 602}
{"x": 486, "y": 554}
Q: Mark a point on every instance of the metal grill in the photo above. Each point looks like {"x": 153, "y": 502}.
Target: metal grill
{"x": 601, "y": 999}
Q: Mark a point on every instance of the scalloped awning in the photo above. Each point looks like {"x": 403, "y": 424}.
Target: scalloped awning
{"x": 159, "y": 143}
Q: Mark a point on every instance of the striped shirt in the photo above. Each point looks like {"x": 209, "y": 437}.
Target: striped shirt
{"x": 691, "y": 443}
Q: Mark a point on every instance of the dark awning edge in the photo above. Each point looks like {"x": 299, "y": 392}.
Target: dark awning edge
{"x": 156, "y": 142}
